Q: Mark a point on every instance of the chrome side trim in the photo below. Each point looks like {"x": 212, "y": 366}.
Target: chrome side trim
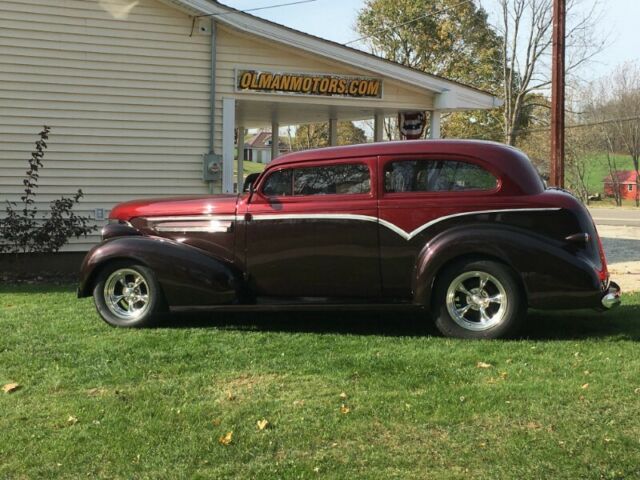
{"x": 202, "y": 223}
{"x": 391, "y": 226}
{"x": 409, "y": 235}
{"x": 223, "y": 223}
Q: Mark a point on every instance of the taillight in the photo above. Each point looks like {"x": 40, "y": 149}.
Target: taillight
{"x": 603, "y": 273}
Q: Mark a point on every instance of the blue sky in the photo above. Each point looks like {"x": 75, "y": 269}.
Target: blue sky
{"x": 335, "y": 20}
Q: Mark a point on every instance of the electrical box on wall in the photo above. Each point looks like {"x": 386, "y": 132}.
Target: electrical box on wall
{"x": 203, "y": 26}
{"x": 212, "y": 167}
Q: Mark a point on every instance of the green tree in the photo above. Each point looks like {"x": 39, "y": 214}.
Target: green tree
{"x": 441, "y": 37}
{"x": 314, "y": 135}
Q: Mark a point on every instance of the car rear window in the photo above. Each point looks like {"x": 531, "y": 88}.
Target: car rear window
{"x": 341, "y": 179}
{"x": 436, "y": 176}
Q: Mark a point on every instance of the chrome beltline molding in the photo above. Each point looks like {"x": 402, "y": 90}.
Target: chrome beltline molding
{"x": 326, "y": 216}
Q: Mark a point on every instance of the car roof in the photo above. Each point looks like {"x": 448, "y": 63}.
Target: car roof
{"x": 394, "y": 148}
{"x": 513, "y": 166}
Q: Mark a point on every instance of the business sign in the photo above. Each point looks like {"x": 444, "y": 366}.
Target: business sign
{"x": 308, "y": 84}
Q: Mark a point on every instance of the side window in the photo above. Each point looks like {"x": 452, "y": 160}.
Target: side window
{"x": 436, "y": 176}
{"x": 332, "y": 179}
{"x": 278, "y": 184}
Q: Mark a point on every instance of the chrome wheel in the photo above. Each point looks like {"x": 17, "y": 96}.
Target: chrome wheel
{"x": 476, "y": 301}
{"x": 127, "y": 294}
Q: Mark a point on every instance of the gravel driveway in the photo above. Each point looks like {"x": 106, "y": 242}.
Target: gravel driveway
{"x": 622, "y": 247}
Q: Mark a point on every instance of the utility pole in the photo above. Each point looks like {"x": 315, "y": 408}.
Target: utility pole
{"x": 556, "y": 177}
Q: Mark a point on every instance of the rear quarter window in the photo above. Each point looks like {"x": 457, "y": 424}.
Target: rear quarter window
{"x": 436, "y": 176}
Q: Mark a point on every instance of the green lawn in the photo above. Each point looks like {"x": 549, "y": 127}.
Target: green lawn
{"x": 563, "y": 403}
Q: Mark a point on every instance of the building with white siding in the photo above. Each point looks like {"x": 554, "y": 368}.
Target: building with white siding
{"x": 144, "y": 96}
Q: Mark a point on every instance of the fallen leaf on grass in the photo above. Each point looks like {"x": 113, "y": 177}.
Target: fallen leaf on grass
{"x": 230, "y": 396}
{"x": 344, "y": 409}
{"x": 483, "y": 365}
{"x": 72, "y": 420}
{"x": 585, "y": 386}
{"x": 11, "y": 387}
{"x": 534, "y": 426}
{"x": 637, "y": 390}
{"x": 95, "y": 392}
{"x": 216, "y": 422}
{"x": 262, "y": 424}
{"x": 298, "y": 403}
{"x": 343, "y": 396}
{"x": 226, "y": 438}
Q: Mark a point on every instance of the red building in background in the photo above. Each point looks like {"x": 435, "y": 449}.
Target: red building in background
{"x": 627, "y": 183}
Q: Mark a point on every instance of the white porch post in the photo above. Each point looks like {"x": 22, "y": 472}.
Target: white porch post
{"x": 228, "y": 143}
{"x": 378, "y": 127}
{"x": 275, "y": 139}
{"x": 333, "y": 132}
{"x": 434, "y": 124}
{"x": 240, "y": 178}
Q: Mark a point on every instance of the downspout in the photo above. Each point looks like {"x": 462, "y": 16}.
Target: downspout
{"x": 212, "y": 87}
{"x": 212, "y": 163}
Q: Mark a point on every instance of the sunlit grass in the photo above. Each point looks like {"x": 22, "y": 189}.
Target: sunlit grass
{"x": 563, "y": 402}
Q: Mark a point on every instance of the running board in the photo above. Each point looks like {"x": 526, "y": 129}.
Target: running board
{"x": 300, "y": 307}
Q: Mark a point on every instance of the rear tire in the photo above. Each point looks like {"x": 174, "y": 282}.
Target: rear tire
{"x": 127, "y": 294}
{"x": 478, "y": 299}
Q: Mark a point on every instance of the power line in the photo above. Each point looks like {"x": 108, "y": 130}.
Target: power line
{"x": 255, "y": 9}
{"x": 392, "y": 27}
{"x": 581, "y": 125}
{"x": 193, "y": 22}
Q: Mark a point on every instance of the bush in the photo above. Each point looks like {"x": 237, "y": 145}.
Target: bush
{"x": 23, "y": 231}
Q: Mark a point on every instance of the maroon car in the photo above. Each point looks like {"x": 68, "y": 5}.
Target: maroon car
{"x": 465, "y": 230}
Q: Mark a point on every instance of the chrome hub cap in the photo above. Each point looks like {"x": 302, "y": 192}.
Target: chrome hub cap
{"x": 126, "y": 294}
{"x": 476, "y": 301}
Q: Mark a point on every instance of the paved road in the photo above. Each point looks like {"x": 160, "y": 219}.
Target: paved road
{"x": 616, "y": 216}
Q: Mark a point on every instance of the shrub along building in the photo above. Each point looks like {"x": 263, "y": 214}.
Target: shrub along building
{"x": 146, "y": 97}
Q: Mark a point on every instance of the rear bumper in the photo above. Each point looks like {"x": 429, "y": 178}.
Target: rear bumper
{"x": 611, "y": 297}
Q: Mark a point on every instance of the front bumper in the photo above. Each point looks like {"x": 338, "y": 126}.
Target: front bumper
{"x": 611, "y": 297}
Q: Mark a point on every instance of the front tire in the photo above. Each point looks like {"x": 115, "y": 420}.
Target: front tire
{"x": 478, "y": 299}
{"x": 127, "y": 295}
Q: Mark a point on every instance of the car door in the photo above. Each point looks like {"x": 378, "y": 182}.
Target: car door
{"x": 311, "y": 231}
{"x": 417, "y": 194}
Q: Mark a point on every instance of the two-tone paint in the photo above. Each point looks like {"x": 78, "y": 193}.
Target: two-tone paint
{"x": 375, "y": 247}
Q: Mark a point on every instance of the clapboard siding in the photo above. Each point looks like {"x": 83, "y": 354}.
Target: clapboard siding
{"x": 127, "y": 99}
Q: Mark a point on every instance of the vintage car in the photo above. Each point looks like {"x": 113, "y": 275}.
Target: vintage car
{"x": 463, "y": 230}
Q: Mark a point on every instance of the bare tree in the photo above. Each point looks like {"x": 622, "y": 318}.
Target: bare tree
{"x": 526, "y": 27}
{"x": 599, "y": 113}
{"x": 625, "y": 93}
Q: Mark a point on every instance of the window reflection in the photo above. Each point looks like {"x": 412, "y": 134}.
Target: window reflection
{"x": 436, "y": 176}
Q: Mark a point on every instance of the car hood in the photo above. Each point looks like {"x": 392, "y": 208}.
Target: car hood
{"x": 160, "y": 207}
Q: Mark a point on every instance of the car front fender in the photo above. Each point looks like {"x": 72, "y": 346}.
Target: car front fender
{"x": 551, "y": 275}
{"x": 186, "y": 275}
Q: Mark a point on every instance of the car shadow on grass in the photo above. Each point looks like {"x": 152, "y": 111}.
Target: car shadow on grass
{"x": 620, "y": 324}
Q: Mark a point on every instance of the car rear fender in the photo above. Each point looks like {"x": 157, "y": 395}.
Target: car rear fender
{"x": 186, "y": 275}
{"x": 550, "y": 275}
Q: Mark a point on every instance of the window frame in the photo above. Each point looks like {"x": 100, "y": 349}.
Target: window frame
{"x": 386, "y": 160}
{"x": 368, "y": 162}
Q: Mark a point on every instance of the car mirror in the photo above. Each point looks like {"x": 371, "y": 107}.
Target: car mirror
{"x": 249, "y": 182}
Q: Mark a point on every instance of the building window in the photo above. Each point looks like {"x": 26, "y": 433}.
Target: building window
{"x": 630, "y": 187}
{"x": 436, "y": 176}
